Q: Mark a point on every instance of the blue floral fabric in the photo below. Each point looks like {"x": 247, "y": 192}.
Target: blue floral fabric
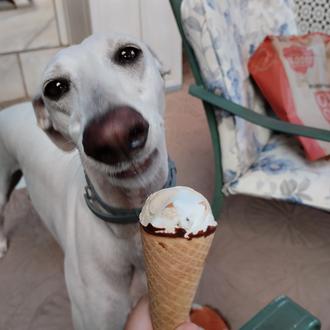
{"x": 282, "y": 172}
{"x": 224, "y": 34}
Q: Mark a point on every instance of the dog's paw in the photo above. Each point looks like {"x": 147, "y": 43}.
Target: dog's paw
{"x": 3, "y": 247}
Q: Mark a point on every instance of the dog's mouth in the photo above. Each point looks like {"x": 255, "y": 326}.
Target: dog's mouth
{"x": 135, "y": 168}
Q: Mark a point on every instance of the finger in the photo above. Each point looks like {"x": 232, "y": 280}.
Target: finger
{"x": 139, "y": 318}
{"x": 188, "y": 326}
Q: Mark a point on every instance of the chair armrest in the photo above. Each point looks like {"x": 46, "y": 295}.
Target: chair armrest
{"x": 256, "y": 118}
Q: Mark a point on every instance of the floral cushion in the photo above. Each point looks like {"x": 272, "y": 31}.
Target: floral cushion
{"x": 282, "y": 172}
{"x": 223, "y": 34}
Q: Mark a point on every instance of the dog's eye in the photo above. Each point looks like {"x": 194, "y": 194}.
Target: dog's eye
{"x": 56, "y": 88}
{"x": 127, "y": 55}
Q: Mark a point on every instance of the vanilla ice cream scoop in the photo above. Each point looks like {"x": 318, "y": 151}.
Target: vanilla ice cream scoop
{"x": 178, "y": 211}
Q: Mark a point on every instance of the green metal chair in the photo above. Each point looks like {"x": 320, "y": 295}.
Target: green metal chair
{"x": 213, "y": 103}
{"x": 282, "y": 313}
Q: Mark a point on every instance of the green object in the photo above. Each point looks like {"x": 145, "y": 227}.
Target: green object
{"x": 213, "y": 103}
{"x": 218, "y": 196}
{"x": 256, "y": 118}
{"x": 283, "y": 314}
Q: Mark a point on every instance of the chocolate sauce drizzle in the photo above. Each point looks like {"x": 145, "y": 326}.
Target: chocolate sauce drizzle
{"x": 179, "y": 232}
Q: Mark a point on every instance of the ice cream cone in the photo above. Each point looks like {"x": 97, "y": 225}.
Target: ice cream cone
{"x": 174, "y": 266}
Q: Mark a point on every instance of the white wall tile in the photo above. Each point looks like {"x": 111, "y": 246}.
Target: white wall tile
{"x": 119, "y": 16}
{"x": 33, "y": 65}
{"x": 160, "y": 32}
{"x": 61, "y": 19}
{"x": 78, "y": 18}
{"x": 12, "y": 86}
{"x": 22, "y": 3}
{"x": 47, "y": 37}
{"x": 28, "y": 28}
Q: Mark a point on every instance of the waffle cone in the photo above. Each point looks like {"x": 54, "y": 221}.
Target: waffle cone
{"x": 174, "y": 266}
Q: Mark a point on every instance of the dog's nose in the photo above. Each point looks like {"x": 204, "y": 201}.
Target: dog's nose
{"x": 115, "y": 136}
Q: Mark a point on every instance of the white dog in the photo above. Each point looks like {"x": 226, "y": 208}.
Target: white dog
{"x": 102, "y": 102}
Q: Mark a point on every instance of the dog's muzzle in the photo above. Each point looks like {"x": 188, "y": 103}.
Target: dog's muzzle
{"x": 116, "y": 136}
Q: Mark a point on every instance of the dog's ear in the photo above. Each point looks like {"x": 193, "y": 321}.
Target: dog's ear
{"x": 45, "y": 123}
{"x": 163, "y": 71}
{"x": 41, "y": 113}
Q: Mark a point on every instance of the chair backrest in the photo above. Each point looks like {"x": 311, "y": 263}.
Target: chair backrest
{"x": 223, "y": 34}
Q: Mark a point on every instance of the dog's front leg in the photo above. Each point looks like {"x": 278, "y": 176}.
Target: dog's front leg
{"x": 138, "y": 287}
{"x": 3, "y": 239}
{"x": 99, "y": 301}
{"x": 103, "y": 313}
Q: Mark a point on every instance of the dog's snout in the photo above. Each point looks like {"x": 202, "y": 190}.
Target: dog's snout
{"x": 138, "y": 136}
{"x": 115, "y": 136}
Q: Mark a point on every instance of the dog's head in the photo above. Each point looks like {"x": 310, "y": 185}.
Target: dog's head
{"x": 104, "y": 96}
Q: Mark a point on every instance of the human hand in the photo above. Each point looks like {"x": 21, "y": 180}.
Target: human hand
{"x": 139, "y": 318}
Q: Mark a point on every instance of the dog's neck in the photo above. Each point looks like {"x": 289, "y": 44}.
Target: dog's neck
{"x": 134, "y": 194}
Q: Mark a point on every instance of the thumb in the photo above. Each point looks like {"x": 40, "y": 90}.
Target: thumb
{"x": 188, "y": 326}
